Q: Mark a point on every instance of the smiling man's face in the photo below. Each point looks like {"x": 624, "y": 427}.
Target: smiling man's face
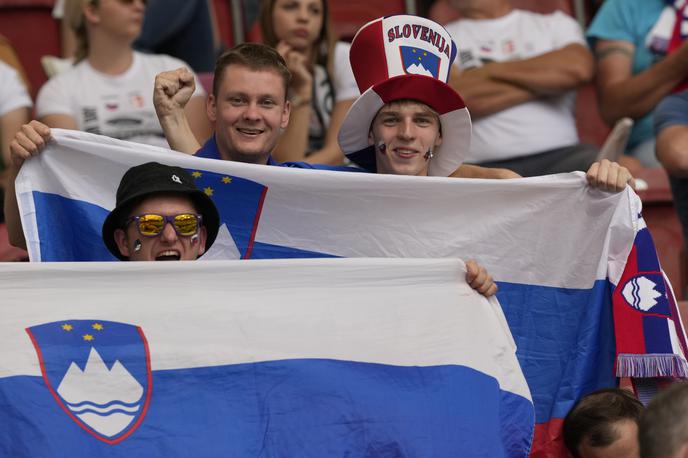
{"x": 168, "y": 245}
{"x": 249, "y": 110}
{"x": 403, "y": 133}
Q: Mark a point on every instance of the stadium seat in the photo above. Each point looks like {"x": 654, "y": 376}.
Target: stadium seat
{"x": 591, "y": 128}
{"x": 30, "y": 27}
{"x": 349, "y": 15}
{"x": 206, "y": 79}
{"x": 223, "y": 19}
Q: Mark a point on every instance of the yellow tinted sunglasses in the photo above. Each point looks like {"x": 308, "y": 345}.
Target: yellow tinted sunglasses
{"x": 151, "y": 224}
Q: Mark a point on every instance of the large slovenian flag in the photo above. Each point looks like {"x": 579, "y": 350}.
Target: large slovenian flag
{"x": 302, "y": 358}
{"x": 579, "y": 279}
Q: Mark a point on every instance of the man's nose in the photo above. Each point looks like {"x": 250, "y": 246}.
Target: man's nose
{"x": 251, "y": 112}
{"x": 168, "y": 234}
{"x": 405, "y": 130}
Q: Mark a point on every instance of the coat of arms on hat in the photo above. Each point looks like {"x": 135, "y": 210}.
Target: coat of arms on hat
{"x": 419, "y": 61}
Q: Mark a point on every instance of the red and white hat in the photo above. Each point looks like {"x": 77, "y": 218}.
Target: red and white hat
{"x": 405, "y": 57}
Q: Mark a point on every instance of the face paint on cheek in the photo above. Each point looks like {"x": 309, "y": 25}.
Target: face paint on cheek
{"x": 137, "y": 245}
{"x": 382, "y": 147}
{"x": 429, "y": 155}
{"x": 194, "y": 239}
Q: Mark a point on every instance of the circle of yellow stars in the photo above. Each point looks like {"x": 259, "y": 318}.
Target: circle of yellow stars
{"x": 87, "y": 337}
{"x": 209, "y": 191}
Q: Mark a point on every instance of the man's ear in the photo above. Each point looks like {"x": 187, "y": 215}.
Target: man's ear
{"x": 286, "y": 112}
{"x": 202, "y": 238}
{"x": 438, "y": 140}
{"x": 211, "y": 108}
{"x": 122, "y": 242}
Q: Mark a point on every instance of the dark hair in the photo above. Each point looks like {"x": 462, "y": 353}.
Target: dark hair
{"x": 593, "y": 418}
{"x": 254, "y": 56}
{"x": 663, "y": 427}
{"x": 323, "y": 48}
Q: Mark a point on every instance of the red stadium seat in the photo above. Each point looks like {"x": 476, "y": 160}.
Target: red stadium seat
{"x": 349, "y": 15}
{"x": 30, "y": 27}
{"x": 206, "y": 79}
{"x": 591, "y": 128}
{"x": 223, "y": 20}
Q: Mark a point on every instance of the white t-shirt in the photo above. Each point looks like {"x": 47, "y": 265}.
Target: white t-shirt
{"x": 345, "y": 88}
{"x": 533, "y": 126}
{"x": 118, "y": 106}
{"x": 13, "y": 93}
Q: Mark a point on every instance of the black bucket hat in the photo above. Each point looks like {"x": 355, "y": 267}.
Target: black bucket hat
{"x": 153, "y": 178}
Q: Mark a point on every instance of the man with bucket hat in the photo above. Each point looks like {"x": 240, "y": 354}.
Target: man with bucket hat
{"x": 160, "y": 215}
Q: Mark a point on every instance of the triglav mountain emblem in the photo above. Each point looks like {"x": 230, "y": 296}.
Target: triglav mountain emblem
{"x": 646, "y": 292}
{"x": 98, "y": 372}
{"x": 417, "y": 61}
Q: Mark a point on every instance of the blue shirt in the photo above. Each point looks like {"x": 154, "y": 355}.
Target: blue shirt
{"x": 631, "y": 21}
{"x": 210, "y": 151}
{"x": 672, "y": 111}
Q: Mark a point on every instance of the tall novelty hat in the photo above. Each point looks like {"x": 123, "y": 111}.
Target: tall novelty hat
{"x": 405, "y": 57}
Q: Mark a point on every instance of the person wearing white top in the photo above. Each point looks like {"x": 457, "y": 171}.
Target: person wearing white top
{"x": 322, "y": 86}
{"x": 518, "y": 73}
{"x": 15, "y": 105}
{"x": 109, "y": 89}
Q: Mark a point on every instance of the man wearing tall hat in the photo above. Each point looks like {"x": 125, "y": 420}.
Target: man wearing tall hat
{"x": 408, "y": 120}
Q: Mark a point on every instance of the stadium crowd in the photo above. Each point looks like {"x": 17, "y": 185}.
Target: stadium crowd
{"x": 303, "y": 99}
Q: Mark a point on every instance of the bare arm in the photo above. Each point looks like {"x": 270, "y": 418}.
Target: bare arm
{"x": 294, "y": 140}
{"x": 28, "y": 141}
{"x": 672, "y": 150}
{"x": 10, "y": 123}
{"x": 171, "y": 94}
{"x": 624, "y": 94}
{"x": 484, "y": 95}
{"x": 62, "y": 121}
{"x": 331, "y": 153}
{"x": 551, "y": 73}
{"x": 198, "y": 120}
{"x": 475, "y": 171}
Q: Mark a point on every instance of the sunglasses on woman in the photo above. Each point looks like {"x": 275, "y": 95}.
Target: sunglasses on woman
{"x": 151, "y": 224}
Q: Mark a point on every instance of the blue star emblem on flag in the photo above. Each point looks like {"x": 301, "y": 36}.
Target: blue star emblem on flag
{"x": 239, "y": 202}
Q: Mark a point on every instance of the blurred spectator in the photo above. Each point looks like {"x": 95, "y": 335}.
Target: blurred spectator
{"x": 639, "y": 61}
{"x": 671, "y": 128}
{"x": 603, "y": 424}
{"x": 518, "y": 72}
{"x": 663, "y": 427}
{"x": 184, "y": 29}
{"x": 108, "y": 91}
{"x": 15, "y": 105}
{"x": 322, "y": 85}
